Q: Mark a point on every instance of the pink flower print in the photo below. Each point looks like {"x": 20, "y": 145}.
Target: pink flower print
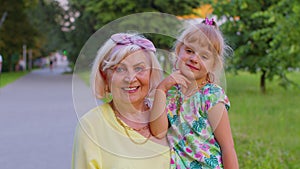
{"x": 226, "y": 100}
{"x": 188, "y": 118}
{"x": 172, "y": 106}
{"x": 206, "y": 91}
{"x": 195, "y": 110}
{"x": 188, "y": 150}
{"x": 182, "y": 154}
{"x": 212, "y": 141}
{"x": 199, "y": 156}
{"x": 172, "y": 161}
{"x": 205, "y": 147}
{"x": 180, "y": 99}
{"x": 207, "y": 104}
{"x": 220, "y": 160}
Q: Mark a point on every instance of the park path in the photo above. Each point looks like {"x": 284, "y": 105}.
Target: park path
{"x": 37, "y": 121}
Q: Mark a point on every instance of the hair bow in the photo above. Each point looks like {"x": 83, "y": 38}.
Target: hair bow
{"x": 125, "y": 39}
{"x": 209, "y": 22}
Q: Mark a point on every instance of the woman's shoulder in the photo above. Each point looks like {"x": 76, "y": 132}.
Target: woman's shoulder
{"x": 95, "y": 119}
{"x": 95, "y": 113}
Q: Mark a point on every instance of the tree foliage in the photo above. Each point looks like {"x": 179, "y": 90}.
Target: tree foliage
{"x": 15, "y": 31}
{"x": 34, "y": 23}
{"x": 48, "y": 18}
{"x": 264, "y": 36}
{"x": 95, "y": 14}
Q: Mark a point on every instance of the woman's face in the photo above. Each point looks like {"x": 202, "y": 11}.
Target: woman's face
{"x": 129, "y": 80}
{"x": 195, "y": 65}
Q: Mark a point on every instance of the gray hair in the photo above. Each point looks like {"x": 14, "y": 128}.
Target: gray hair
{"x": 105, "y": 59}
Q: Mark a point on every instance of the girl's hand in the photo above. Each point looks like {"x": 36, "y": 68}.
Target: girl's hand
{"x": 173, "y": 79}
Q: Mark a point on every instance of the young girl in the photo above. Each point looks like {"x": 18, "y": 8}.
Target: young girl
{"x": 199, "y": 132}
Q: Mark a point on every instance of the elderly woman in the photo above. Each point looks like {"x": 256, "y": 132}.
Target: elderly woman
{"x": 116, "y": 134}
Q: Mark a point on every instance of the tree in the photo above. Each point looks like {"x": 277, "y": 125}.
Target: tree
{"x": 83, "y": 27}
{"x": 95, "y": 14}
{"x": 263, "y": 34}
{"x": 15, "y": 31}
{"x": 48, "y": 17}
{"x": 285, "y": 46}
{"x": 34, "y": 23}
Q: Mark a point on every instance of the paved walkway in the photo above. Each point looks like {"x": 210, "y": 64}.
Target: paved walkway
{"x": 37, "y": 121}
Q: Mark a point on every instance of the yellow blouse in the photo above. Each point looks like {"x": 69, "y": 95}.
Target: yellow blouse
{"x": 101, "y": 143}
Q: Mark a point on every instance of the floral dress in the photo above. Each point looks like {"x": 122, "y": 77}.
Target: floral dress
{"x": 190, "y": 136}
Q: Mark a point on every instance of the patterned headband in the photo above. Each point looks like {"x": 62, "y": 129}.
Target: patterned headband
{"x": 122, "y": 39}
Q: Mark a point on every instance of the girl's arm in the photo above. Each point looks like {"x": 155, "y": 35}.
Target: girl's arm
{"x": 158, "y": 117}
{"x": 218, "y": 118}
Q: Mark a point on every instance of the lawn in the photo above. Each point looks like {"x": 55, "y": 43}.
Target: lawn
{"x": 265, "y": 126}
{"x": 9, "y": 77}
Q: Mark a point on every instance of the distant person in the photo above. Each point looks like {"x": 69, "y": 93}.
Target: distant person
{"x": 22, "y": 64}
{"x": 1, "y": 60}
{"x": 191, "y": 108}
{"x": 55, "y": 61}
{"x": 51, "y": 64}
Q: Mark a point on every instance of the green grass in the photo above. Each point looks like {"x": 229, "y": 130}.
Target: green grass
{"x": 85, "y": 76}
{"x": 265, "y": 126}
{"x": 9, "y": 77}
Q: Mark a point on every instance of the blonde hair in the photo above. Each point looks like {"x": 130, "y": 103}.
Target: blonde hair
{"x": 202, "y": 35}
{"x": 107, "y": 58}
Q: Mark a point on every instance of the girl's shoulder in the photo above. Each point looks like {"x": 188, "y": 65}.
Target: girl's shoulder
{"x": 214, "y": 94}
{"x": 212, "y": 86}
{"x": 211, "y": 89}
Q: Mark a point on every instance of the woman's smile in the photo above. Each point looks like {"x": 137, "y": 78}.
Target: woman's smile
{"x": 131, "y": 89}
{"x": 130, "y": 80}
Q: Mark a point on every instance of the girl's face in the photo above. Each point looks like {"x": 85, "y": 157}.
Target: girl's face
{"x": 129, "y": 80}
{"x": 195, "y": 65}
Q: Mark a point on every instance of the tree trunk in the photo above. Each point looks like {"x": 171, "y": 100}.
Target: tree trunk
{"x": 263, "y": 82}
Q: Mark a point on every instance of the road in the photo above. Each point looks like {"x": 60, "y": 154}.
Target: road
{"x": 37, "y": 121}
